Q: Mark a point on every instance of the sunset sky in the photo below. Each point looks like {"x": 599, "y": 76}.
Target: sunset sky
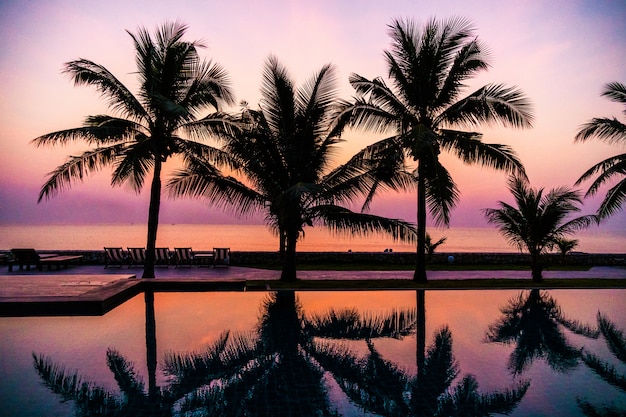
{"x": 561, "y": 53}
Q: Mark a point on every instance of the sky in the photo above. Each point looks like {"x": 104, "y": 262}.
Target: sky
{"x": 559, "y": 52}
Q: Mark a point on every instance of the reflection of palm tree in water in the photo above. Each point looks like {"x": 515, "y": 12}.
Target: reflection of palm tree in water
{"x": 381, "y": 387}
{"x": 533, "y": 322}
{"x": 273, "y": 371}
{"x": 616, "y": 343}
{"x": 280, "y": 368}
{"x": 93, "y": 400}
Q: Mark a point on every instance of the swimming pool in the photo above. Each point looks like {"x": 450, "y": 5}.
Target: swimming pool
{"x": 349, "y": 353}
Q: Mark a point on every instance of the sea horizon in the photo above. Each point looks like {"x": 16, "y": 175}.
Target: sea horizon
{"x": 258, "y": 237}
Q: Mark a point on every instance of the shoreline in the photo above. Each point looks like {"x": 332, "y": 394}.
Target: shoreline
{"x": 378, "y": 260}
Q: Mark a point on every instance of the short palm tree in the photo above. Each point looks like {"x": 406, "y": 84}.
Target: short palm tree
{"x": 284, "y": 154}
{"x": 176, "y": 86}
{"x": 538, "y": 219}
{"x": 431, "y": 246}
{"x": 610, "y": 130}
{"x": 565, "y": 246}
{"x": 425, "y": 111}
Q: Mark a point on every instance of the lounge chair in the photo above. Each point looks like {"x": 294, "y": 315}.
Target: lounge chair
{"x": 137, "y": 256}
{"x": 116, "y": 256}
{"x": 28, "y": 257}
{"x": 184, "y": 256}
{"x": 163, "y": 257}
{"x": 221, "y": 257}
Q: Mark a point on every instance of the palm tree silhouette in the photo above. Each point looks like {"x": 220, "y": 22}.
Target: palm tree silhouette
{"x": 284, "y": 152}
{"x": 428, "y": 69}
{"x": 176, "y": 86}
{"x": 538, "y": 220}
{"x": 610, "y": 130}
{"x": 532, "y": 321}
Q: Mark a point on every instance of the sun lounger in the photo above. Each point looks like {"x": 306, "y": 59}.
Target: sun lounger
{"x": 28, "y": 257}
{"x": 116, "y": 256}
{"x": 137, "y": 256}
{"x": 163, "y": 257}
{"x": 184, "y": 256}
{"x": 221, "y": 257}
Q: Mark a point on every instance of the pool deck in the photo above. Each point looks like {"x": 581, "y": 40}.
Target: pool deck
{"x": 94, "y": 290}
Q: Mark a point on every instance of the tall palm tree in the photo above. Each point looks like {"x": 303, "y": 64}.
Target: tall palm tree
{"x": 538, "y": 219}
{"x": 424, "y": 109}
{"x": 284, "y": 153}
{"x": 610, "y": 130}
{"x": 176, "y": 87}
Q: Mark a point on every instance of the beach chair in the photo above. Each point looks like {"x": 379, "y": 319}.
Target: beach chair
{"x": 28, "y": 257}
{"x": 137, "y": 256}
{"x": 163, "y": 257}
{"x": 221, "y": 257}
{"x": 115, "y": 256}
{"x": 184, "y": 256}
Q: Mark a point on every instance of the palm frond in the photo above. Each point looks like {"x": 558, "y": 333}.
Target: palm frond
{"x": 470, "y": 149}
{"x": 85, "y": 72}
{"x": 611, "y": 131}
{"x": 76, "y": 168}
{"x": 491, "y": 104}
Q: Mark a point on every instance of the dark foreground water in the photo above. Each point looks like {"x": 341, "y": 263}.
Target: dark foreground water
{"x": 388, "y": 353}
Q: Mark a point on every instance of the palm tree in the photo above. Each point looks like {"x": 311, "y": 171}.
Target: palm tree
{"x": 610, "y": 130}
{"x": 284, "y": 153}
{"x": 538, "y": 220}
{"x": 431, "y": 246}
{"x": 428, "y": 69}
{"x": 565, "y": 245}
{"x": 176, "y": 86}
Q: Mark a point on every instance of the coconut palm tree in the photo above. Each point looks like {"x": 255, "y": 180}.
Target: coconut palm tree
{"x": 610, "y": 130}
{"x": 284, "y": 153}
{"x": 175, "y": 88}
{"x": 425, "y": 111}
{"x": 432, "y": 246}
{"x": 538, "y": 219}
{"x": 565, "y": 246}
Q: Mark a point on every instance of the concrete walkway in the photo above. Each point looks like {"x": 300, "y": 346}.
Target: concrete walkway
{"x": 94, "y": 290}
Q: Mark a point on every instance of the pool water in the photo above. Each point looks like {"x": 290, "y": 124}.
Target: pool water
{"x": 358, "y": 353}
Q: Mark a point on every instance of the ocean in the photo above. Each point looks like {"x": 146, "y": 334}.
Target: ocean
{"x": 260, "y": 238}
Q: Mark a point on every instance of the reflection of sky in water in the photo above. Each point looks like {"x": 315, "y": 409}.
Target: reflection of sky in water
{"x": 188, "y": 321}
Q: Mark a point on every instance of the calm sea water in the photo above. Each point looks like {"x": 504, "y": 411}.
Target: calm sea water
{"x": 260, "y": 238}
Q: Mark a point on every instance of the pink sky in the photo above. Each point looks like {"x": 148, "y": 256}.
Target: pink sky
{"x": 560, "y": 53}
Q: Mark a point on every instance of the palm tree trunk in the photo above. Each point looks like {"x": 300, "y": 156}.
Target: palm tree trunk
{"x": 153, "y": 220}
{"x": 289, "y": 264}
{"x": 420, "y": 334}
{"x": 536, "y": 267}
{"x": 420, "y": 266}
